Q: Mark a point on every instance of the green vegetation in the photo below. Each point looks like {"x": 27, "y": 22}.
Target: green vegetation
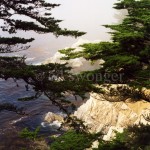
{"x": 133, "y": 138}
{"x": 52, "y": 80}
{"x": 40, "y": 20}
{"x": 72, "y": 140}
{"x": 32, "y": 135}
{"x": 127, "y": 54}
{"x": 129, "y": 51}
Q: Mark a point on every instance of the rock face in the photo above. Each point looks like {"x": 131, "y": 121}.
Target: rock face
{"x": 102, "y": 115}
{"x": 51, "y": 117}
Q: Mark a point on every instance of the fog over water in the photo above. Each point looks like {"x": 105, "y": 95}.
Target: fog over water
{"x": 82, "y": 15}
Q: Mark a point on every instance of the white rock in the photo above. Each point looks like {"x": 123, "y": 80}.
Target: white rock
{"x": 101, "y": 115}
{"x": 51, "y": 117}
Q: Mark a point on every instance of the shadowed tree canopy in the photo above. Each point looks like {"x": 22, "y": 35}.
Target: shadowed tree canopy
{"x": 52, "y": 80}
{"x": 28, "y": 15}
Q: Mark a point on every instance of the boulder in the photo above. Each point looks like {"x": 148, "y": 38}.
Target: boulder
{"x": 51, "y": 117}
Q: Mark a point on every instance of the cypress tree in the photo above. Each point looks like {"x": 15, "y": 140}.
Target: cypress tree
{"x": 129, "y": 51}
{"x": 52, "y": 80}
{"x": 38, "y": 18}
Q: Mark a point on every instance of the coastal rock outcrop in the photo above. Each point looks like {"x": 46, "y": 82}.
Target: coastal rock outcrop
{"x": 51, "y": 117}
{"x": 102, "y": 115}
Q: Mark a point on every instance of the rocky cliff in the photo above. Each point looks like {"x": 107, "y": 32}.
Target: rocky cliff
{"x": 102, "y": 115}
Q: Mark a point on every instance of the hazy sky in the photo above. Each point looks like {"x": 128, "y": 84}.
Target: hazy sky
{"x": 83, "y": 15}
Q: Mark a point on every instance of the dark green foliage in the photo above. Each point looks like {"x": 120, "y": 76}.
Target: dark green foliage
{"x": 133, "y": 138}
{"x": 76, "y": 124}
{"x": 32, "y": 135}
{"x": 73, "y": 141}
{"x": 141, "y": 136}
{"x": 27, "y": 98}
{"x": 119, "y": 143}
{"x": 125, "y": 92}
{"x": 38, "y": 21}
{"x": 52, "y": 80}
{"x": 15, "y": 40}
{"x": 8, "y": 45}
{"x": 13, "y": 44}
{"x": 129, "y": 51}
{"x": 44, "y": 22}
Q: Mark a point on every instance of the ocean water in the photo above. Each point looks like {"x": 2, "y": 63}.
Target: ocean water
{"x": 34, "y": 110}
